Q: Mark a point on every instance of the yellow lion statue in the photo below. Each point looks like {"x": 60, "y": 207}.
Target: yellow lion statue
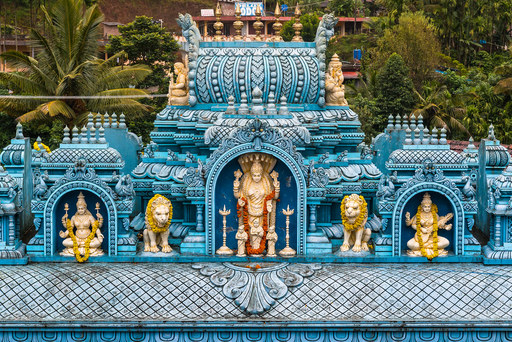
{"x": 354, "y": 214}
{"x": 158, "y": 219}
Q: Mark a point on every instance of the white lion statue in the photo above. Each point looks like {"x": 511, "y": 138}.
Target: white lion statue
{"x": 158, "y": 219}
{"x": 354, "y": 214}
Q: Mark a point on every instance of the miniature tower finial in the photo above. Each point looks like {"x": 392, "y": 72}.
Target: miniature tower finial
{"x": 238, "y": 24}
{"x": 19, "y": 131}
{"x": 408, "y": 140}
{"x": 244, "y": 108}
{"x": 218, "y": 26}
{"x": 297, "y": 26}
{"x": 277, "y": 25}
{"x": 491, "y": 135}
{"x": 258, "y": 25}
{"x": 443, "y": 140}
{"x": 417, "y": 140}
{"x": 106, "y": 120}
{"x": 231, "y": 105}
{"x": 122, "y": 123}
{"x": 433, "y": 139}
{"x": 397, "y": 122}
{"x": 66, "y": 139}
{"x": 75, "y": 136}
{"x": 425, "y": 139}
{"x": 283, "y": 109}
{"x": 92, "y": 138}
{"x": 257, "y": 107}
{"x": 101, "y": 139}
{"x": 271, "y": 106}
{"x": 114, "y": 120}
{"x": 83, "y": 135}
{"x": 390, "y": 126}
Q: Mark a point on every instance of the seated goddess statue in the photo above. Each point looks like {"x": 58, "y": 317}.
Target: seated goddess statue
{"x": 178, "y": 90}
{"x": 82, "y": 237}
{"x": 334, "y": 88}
{"x": 427, "y": 222}
{"x": 257, "y": 192}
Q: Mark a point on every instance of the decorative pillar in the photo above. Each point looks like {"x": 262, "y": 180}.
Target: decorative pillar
{"x": 312, "y": 217}
{"x": 199, "y": 217}
{"x": 238, "y": 24}
{"x": 277, "y": 25}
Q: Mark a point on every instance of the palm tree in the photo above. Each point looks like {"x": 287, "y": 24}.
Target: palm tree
{"x": 67, "y": 65}
{"x": 440, "y": 108}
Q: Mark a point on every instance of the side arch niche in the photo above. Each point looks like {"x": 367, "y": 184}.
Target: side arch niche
{"x": 447, "y": 202}
{"x": 68, "y": 193}
{"x": 71, "y": 198}
{"x": 219, "y": 192}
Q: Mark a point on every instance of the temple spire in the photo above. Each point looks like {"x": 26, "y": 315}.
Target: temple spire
{"x": 218, "y": 26}
{"x": 297, "y": 26}
{"x": 277, "y": 25}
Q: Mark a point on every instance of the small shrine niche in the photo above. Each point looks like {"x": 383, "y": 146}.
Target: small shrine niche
{"x": 427, "y": 204}
{"x": 247, "y": 171}
{"x": 69, "y": 204}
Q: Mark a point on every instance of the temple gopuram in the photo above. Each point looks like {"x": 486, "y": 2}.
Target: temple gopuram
{"x": 257, "y": 212}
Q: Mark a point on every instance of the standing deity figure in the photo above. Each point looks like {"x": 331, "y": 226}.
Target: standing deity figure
{"x": 178, "y": 90}
{"x": 271, "y": 239}
{"x": 257, "y": 191}
{"x": 334, "y": 88}
{"x": 82, "y": 237}
{"x": 427, "y": 222}
{"x": 242, "y": 237}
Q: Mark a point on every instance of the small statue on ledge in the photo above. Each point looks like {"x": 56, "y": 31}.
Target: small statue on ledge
{"x": 158, "y": 219}
{"x": 354, "y": 214}
{"x": 427, "y": 222}
{"x": 334, "y": 88}
{"x": 80, "y": 240}
{"x": 178, "y": 90}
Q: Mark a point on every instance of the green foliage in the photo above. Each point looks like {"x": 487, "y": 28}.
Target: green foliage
{"x": 309, "y": 23}
{"x": 395, "y": 91}
{"x": 415, "y": 40}
{"x": 345, "y": 8}
{"x": 344, "y": 45}
{"x": 145, "y": 42}
{"x": 66, "y": 65}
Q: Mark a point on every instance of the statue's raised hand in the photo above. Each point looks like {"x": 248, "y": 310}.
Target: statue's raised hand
{"x": 407, "y": 218}
{"x": 63, "y": 234}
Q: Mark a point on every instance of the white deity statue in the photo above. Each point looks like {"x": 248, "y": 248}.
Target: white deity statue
{"x": 82, "y": 237}
{"x": 178, "y": 90}
{"x": 334, "y": 88}
{"x": 241, "y": 237}
{"x": 257, "y": 192}
{"x": 271, "y": 241}
{"x": 427, "y": 222}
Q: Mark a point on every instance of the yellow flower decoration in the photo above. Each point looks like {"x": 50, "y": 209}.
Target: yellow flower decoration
{"x": 359, "y": 220}
{"x": 37, "y": 148}
{"x": 434, "y": 233}
{"x": 149, "y": 214}
{"x": 78, "y": 256}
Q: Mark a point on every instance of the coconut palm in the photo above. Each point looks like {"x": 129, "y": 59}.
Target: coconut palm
{"x": 439, "y": 108}
{"x": 67, "y": 65}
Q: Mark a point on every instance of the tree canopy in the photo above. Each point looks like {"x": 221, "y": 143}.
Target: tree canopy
{"x": 67, "y": 65}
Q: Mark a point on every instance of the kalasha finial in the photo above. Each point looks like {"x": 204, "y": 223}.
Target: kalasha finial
{"x": 258, "y": 25}
{"x": 297, "y": 26}
{"x": 218, "y": 26}
{"x": 277, "y": 25}
{"x": 238, "y": 24}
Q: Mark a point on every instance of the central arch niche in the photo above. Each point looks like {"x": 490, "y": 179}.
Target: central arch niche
{"x": 224, "y": 196}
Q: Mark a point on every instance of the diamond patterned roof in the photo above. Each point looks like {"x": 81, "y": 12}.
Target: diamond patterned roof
{"x": 176, "y": 292}
{"x": 96, "y": 155}
{"x": 419, "y": 156}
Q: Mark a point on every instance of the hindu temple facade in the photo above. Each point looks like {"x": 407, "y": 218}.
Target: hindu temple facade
{"x": 257, "y": 211}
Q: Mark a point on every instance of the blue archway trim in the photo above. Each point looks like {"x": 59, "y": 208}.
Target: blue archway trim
{"x": 428, "y": 187}
{"x": 49, "y": 223}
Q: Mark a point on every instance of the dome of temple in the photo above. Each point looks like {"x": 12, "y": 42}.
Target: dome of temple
{"x": 93, "y": 155}
{"x": 504, "y": 180}
{"x": 496, "y": 155}
{"x": 230, "y": 71}
{"x": 13, "y": 154}
{"x": 419, "y": 156}
{"x": 6, "y": 181}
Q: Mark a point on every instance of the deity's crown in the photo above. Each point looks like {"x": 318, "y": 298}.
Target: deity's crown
{"x": 256, "y": 167}
{"x": 426, "y": 199}
{"x": 81, "y": 200}
{"x": 335, "y": 62}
